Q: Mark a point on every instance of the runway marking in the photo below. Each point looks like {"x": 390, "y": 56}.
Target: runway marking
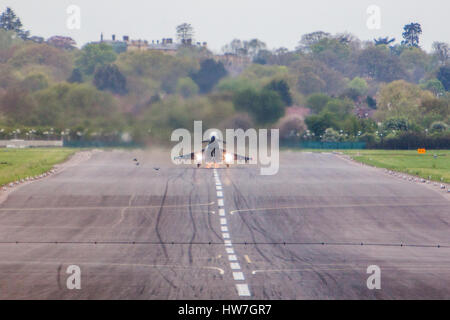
{"x": 238, "y": 276}
{"x": 107, "y": 208}
{"x": 243, "y": 290}
{"x": 235, "y": 266}
{"x": 232, "y": 257}
{"x": 247, "y": 259}
{"x": 341, "y": 206}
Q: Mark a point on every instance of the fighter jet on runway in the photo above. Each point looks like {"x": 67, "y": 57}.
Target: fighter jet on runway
{"x": 213, "y": 155}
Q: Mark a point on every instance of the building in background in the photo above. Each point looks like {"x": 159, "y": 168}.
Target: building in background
{"x": 166, "y": 45}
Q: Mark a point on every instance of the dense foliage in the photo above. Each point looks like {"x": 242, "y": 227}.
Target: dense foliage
{"x": 331, "y": 88}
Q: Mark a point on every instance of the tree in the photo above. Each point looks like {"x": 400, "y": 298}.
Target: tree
{"x": 62, "y": 42}
{"x": 282, "y": 88}
{"x": 442, "y": 52}
{"x": 401, "y": 99}
{"x": 384, "y": 41}
{"x": 310, "y": 39}
{"x": 291, "y": 127}
{"x": 319, "y": 123}
{"x": 443, "y": 76}
{"x": 209, "y": 75}
{"x": 110, "y": 78}
{"x": 411, "y": 34}
{"x": 330, "y": 135}
{"x": 396, "y": 124}
{"x": 76, "y": 76}
{"x": 360, "y": 85}
{"x": 185, "y": 33}
{"x": 265, "y": 106}
{"x": 95, "y": 55}
{"x": 438, "y": 126}
{"x": 435, "y": 86}
{"x": 250, "y": 48}
{"x": 10, "y": 22}
{"x": 377, "y": 62}
{"x": 186, "y": 87}
{"x": 317, "y": 102}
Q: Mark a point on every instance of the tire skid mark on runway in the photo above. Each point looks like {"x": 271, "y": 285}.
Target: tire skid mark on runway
{"x": 239, "y": 194}
{"x": 158, "y": 219}
{"x": 194, "y": 227}
{"x": 293, "y": 256}
{"x": 160, "y": 211}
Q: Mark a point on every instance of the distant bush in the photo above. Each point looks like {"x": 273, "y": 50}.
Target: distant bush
{"x": 413, "y": 141}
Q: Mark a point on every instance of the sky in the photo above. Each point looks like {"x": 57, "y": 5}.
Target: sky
{"x": 279, "y": 23}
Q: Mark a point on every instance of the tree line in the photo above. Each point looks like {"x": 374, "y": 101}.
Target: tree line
{"x": 332, "y": 87}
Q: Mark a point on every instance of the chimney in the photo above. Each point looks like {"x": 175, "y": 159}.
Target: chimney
{"x": 101, "y": 37}
{"x": 114, "y": 37}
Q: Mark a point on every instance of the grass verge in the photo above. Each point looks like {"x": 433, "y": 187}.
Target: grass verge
{"x": 434, "y": 165}
{"x": 16, "y": 164}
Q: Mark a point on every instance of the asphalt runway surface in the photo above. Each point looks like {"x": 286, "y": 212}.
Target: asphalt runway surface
{"x": 309, "y": 232}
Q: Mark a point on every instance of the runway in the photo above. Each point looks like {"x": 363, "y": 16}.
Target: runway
{"x": 309, "y": 232}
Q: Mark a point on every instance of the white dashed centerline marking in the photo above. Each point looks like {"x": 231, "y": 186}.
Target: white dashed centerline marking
{"x": 238, "y": 276}
{"x": 235, "y": 266}
{"x": 232, "y": 257}
{"x": 242, "y": 288}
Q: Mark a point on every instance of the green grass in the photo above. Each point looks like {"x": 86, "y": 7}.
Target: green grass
{"x": 16, "y": 164}
{"x": 408, "y": 161}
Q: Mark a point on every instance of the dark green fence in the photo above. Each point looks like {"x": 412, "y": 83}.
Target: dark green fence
{"x": 331, "y": 145}
{"x": 100, "y": 144}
